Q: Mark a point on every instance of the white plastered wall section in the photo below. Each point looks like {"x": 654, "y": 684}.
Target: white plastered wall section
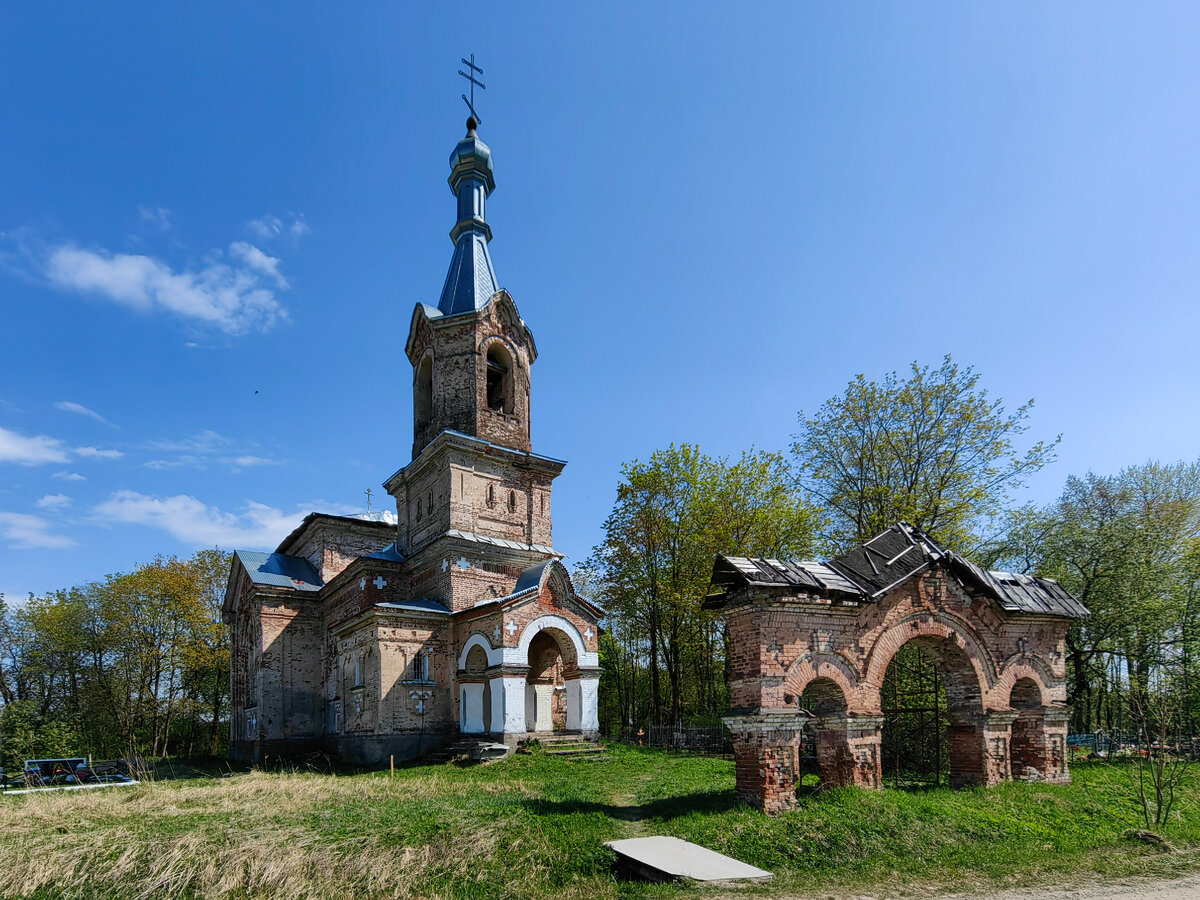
{"x": 509, "y": 696}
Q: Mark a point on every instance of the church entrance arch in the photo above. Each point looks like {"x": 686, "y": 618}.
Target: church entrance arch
{"x": 551, "y": 647}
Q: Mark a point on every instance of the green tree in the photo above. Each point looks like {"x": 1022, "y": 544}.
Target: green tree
{"x": 1126, "y": 546}
{"x": 933, "y": 449}
{"x": 672, "y": 515}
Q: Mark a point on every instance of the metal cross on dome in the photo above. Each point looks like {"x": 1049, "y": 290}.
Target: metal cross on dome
{"x": 470, "y": 64}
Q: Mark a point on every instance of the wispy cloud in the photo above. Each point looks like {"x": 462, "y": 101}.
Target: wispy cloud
{"x": 247, "y": 461}
{"x": 68, "y": 476}
{"x": 193, "y": 522}
{"x": 204, "y": 449}
{"x": 81, "y": 410}
{"x": 96, "y": 453}
{"x": 157, "y": 216}
{"x": 30, "y": 451}
{"x": 54, "y": 501}
{"x": 25, "y": 532}
{"x": 253, "y": 258}
{"x": 231, "y": 298}
{"x": 270, "y": 227}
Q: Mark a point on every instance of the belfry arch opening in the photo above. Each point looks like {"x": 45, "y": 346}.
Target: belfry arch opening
{"x": 499, "y": 379}
{"x": 932, "y": 709}
{"x": 423, "y": 395}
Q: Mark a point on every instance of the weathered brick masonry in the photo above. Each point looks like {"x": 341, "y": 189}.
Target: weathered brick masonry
{"x": 810, "y": 644}
{"x": 372, "y": 639}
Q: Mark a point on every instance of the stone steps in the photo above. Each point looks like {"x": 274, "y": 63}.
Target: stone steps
{"x": 470, "y": 751}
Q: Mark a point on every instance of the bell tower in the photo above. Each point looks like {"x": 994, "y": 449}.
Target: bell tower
{"x": 473, "y": 469}
{"x": 471, "y": 354}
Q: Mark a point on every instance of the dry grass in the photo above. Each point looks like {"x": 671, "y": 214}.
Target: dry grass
{"x": 534, "y": 827}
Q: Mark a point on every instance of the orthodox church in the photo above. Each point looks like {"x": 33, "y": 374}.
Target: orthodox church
{"x": 368, "y": 638}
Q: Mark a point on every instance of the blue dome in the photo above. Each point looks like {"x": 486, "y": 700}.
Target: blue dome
{"x": 471, "y": 155}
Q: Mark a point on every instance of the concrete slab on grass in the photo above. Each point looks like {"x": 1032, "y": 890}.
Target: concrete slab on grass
{"x": 660, "y": 858}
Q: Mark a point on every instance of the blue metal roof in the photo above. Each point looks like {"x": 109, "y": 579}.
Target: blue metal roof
{"x": 421, "y": 604}
{"x": 390, "y": 553}
{"x": 471, "y": 281}
{"x": 278, "y": 570}
{"x": 531, "y": 577}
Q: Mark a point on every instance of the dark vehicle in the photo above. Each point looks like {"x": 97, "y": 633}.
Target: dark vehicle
{"x": 41, "y": 773}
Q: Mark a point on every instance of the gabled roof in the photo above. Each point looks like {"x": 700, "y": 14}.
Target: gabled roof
{"x": 874, "y": 568}
{"x": 278, "y": 570}
{"x": 350, "y": 522}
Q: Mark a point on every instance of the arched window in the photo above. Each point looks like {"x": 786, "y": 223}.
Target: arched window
{"x": 423, "y": 394}
{"x": 491, "y": 495}
{"x": 512, "y": 501}
{"x": 499, "y": 379}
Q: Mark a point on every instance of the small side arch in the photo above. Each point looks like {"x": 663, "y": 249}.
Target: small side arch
{"x": 813, "y": 666}
{"x": 478, "y": 639}
{"x": 1032, "y": 668}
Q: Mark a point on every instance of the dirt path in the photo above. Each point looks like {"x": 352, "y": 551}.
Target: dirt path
{"x": 1132, "y": 888}
{"x": 1187, "y": 888}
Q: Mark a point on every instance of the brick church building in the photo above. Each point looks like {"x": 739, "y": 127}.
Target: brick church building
{"x": 368, "y": 638}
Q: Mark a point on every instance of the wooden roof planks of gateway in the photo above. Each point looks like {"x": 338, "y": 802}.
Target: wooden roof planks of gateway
{"x": 875, "y": 567}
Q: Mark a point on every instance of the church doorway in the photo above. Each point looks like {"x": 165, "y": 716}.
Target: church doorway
{"x": 546, "y": 700}
{"x": 932, "y": 717}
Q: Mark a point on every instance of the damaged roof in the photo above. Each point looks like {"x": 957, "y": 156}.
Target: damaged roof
{"x": 877, "y": 566}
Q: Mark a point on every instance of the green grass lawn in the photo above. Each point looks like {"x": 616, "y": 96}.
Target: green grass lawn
{"x": 534, "y": 826}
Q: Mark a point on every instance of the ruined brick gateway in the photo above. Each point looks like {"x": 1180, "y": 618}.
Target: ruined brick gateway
{"x": 370, "y": 638}
{"x": 810, "y": 644}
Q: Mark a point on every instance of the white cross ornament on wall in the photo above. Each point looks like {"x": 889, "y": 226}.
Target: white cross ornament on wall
{"x": 362, "y": 584}
{"x": 496, "y": 633}
{"x": 445, "y": 564}
{"x": 463, "y": 563}
{"x": 511, "y": 628}
{"x": 587, "y": 632}
{"x": 380, "y": 582}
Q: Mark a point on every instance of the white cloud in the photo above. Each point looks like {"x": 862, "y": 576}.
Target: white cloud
{"x": 203, "y": 442}
{"x": 95, "y": 453}
{"x": 231, "y": 298}
{"x": 30, "y": 451}
{"x": 156, "y": 215}
{"x": 265, "y": 228}
{"x": 80, "y": 409}
{"x": 246, "y": 461}
{"x": 54, "y": 501}
{"x": 270, "y": 227}
{"x": 204, "y": 449}
{"x": 68, "y": 476}
{"x": 195, "y": 523}
{"x": 255, "y": 259}
{"x": 24, "y": 531}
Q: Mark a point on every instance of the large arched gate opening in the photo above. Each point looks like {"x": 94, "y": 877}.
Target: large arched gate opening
{"x": 932, "y": 706}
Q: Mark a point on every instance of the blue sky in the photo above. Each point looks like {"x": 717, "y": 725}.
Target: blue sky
{"x": 216, "y": 219}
